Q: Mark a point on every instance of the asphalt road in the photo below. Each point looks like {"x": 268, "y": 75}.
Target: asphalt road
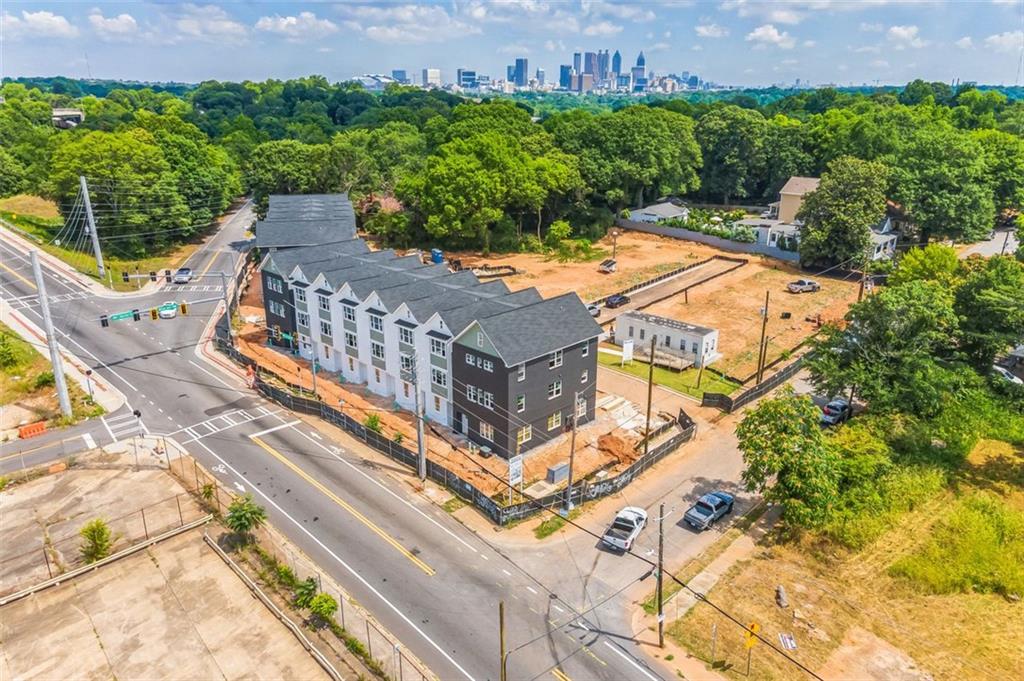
{"x": 432, "y": 582}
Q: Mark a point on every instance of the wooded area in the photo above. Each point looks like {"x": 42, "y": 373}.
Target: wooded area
{"x": 431, "y": 167}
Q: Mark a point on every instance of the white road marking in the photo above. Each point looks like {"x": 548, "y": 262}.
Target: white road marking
{"x": 350, "y": 570}
{"x": 271, "y": 430}
{"x": 506, "y": 572}
{"x": 580, "y": 622}
{"x": 89, "y": 442}
{"x": 628, "y": 659}
{"x": 484, "y": 557}
{"x": 109, "y": 431}
{"x": 160, "y": 410}
{"x": 169, "y": 418}
{"x": 313, "y": 433}
{"x": 531, "y": 590}
{"x": 210, "y": 373}
{"x": 240, "y": 488}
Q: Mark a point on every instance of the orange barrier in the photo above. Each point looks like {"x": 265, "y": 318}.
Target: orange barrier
{"x": 31, "y": 430}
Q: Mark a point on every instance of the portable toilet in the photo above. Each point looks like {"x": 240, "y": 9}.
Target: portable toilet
{"x": 436, "y": 256}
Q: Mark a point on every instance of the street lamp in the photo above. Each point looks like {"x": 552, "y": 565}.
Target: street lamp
{"x": 88, "y": 383}
{"x": 135, "y": 438}
{"x": 615, "y": 232}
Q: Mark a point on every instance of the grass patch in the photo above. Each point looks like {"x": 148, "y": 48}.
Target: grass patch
{"x": 43, "y": 230}
{"x": 453, "y": 504}
{"x": 553, "y": 523}
{"x": 680, "y": 381}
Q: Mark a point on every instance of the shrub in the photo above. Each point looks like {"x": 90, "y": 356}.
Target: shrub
{"x": 978, "y": 547}
{"x": 323, "y": 607}
{"x": 372, "y": 422}
{"x": 97, "y": 541}
{"x": 531, "y": 244}
{"x": 44, "y": 380}
{"x": 8, "y": 357}
{"x": 305, "y": 592}
{"x": 244, "y": 516}
{"x": 398, "y": 438}
{"x": 557, "y": 232}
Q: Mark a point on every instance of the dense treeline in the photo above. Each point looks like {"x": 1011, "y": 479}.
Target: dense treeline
{"x": 431, "y": 166}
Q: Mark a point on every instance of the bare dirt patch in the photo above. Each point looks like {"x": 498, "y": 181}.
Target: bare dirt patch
{"x": 862, "y": 655}
{"x": 732, "y": 304}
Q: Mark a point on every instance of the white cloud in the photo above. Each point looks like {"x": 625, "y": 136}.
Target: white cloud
{"x": 1005, "y": 2}
{"x": 41, "y": 24}
{"x": 411, "y": 23}
{"x": 696, "y": 48}
{"x": 636, "y": 13}
{"x": 903, "y": 37}
{"x": 880, "y": 64}
{"x": 965, "y": 43}
{"x": 794, "y": 11}
{"x": 767, "y": 35}
{"x": 602, "y": 28}
{"x": 514, "y": 49}
{"x": 554, "y": 46}
{"x": 871, "y": 28}
{"x": 667, "y": 34}
{"x": 208, "y": 23}
{"x": 711, "y": 31}
{"x": 1009, "y": 41}
{"x": 121, "y": 27}
{"x": 810, "y": 43}
{"x": 790, "y": 62}
{"x": 868, "y": 49}
{"x": 296, "y": 28}
{"x": 659, "y": 47}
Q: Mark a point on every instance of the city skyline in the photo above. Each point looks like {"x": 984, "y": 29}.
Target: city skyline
{"x": 737, "y": 42}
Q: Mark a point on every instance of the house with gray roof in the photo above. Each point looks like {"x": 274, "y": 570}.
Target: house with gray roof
{"x": 395, "y": 324}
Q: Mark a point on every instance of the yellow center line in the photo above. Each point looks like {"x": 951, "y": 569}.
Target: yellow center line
{"x": 209, "y": 264}
{"x": 345, "y": 505}
{"x": 15, "y": 273}
{"x": 559, "y": 674}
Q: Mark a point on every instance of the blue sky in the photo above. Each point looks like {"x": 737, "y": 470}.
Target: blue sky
{"x": 746, "y": 42}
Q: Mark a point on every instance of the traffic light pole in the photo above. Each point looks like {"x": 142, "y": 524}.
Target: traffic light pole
{"x": 51, "y": 338}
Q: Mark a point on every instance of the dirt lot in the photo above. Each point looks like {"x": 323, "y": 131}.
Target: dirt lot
{"x": 852, "y": 619}
{"x": 173, "y": 611}
{"x": 640, "y": 256}
{"x": 732, "y": 304}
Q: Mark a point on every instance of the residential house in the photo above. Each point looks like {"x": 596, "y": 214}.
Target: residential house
{"x": 659, "y": 212}
{"x": 791, "y": 197}
{"x": 695, "y": 344}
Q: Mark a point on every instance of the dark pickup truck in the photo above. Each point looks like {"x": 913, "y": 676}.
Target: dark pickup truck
{"x": 708, "y": 509}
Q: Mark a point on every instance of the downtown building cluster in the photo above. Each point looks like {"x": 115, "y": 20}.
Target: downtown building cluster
{"x": 507, "y": 370}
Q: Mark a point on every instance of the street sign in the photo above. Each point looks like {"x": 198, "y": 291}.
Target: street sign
{"x": 515, "y": 469}
{"x": 168, "y": 306}
{"x": 627, "y": 350}
{"x": 787, "y": 641}
{"x": 287, "y": 336}
{"x": 118, "y": 316}
{"x": 753, "y": 629}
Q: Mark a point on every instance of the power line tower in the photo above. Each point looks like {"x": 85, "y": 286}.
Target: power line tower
{"x": 91, "y": 226}
{"x": 51, "y": 338}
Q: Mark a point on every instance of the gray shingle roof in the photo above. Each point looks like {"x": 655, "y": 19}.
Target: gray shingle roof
{"x": 306, "y": 220}
{"x": 667, "y": 323}
{"x": 530, "y": 331}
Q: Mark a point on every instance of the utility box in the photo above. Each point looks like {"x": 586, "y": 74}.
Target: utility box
{"x": 558, "y": 473}
{"x": 436, "y": 256}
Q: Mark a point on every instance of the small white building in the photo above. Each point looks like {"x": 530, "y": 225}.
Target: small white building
{"x": 659, "y": 212}
{"x": 696, "y": 344}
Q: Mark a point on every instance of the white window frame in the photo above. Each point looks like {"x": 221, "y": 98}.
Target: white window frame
{"x": 348, "y": 312}
{"x": 479, "y": 339}
{"x": 471, "y": 393}
{"x": 487, "y": 400}
{"x": 555, "y": 359}
{"x": 325, "y": 328}
{"x": 406, "y": 364}
{"x": 470, "y": 360}
{"x": 585, "y": 376}
{"x": 555, "y": 389}
{"x": 373, "y": 350}
{"x": 275, "y": 285}
{"x": 524, "y": 434}
{"x": 435, "y": 374}
{"x": 405, "y": 335}
{"x": 438, "y": 347}
{"x": 555, "y": 420}
{"x": 586, "y": 350}
{"x": 302, "y": 318}
{"x": 376, "y": 323}
{"x": 521, "y": 373}
{"x": 300, "y": 295}
{"x": 323, "y": 302}
{"x": 277, "y": 309}
{"x": 487, "y": 431}
{"x": 488, "y": 366}
{"x": 351, "y": 340}
{"x": 581, "y": 407}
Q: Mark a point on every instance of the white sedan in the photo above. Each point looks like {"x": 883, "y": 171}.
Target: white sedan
{"x": 168, "y": 310}
{"x": 1006, "y": 375}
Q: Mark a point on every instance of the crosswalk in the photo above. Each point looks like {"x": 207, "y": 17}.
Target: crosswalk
{"x": 225, "y": 421}
{"x": 25, "y": 302}
{"x": 193, "y": 287}
{"x": 124, "y": 426}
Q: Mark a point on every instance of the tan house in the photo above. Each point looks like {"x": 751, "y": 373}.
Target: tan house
{"x": 791, "y": 196}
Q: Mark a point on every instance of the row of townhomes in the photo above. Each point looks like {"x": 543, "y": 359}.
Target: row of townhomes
{"x": 499, "y": 367}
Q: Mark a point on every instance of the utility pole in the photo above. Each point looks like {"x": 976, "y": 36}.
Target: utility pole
{"x": 227, "y": 317}
{"x": 762, "y": 348}
{"x": 572, "y": 453}
{"x": 421, "y": 443}
{"x": 51, "y": 338}
{"x": 661, "y": 567}
{"x": 92, "y": 227}
{"x": 650, "y": 394}
{"x": 503, "y": 675}
{"x": 1006, "y": 242}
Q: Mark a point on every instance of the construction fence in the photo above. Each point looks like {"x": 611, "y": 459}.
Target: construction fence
{"x": 729, "y": 404}
{"x": 670, "y": 274}
{"x": 499, "y": 514}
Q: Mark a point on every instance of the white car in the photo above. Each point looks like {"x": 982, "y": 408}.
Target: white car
{"x": 625, "y": 528}
{"x": 835, "y": 412}
{"x": 168, "y": 312}
{"x": 1006, "y": 375}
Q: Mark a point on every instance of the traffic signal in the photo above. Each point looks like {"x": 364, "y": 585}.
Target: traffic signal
{"x": 152, "y": 276}
{"x": 124, "y": 277}
{"x": 183, "y": 308}
{"x": 277, "y": 332}
{"x": 135, "y": 314}
{"x": 104, "y": 322}
{"x": 167, "y": 276}
{"x": 153, "y": 314}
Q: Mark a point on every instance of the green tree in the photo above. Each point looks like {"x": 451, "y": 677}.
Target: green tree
{"x": 785, "y": 155}
{"x": 731, "y": 140}
{"x": 990, "y": 305}
{"x": 372, "y": 422}
{"x": 557, "y": 232}
{"x": 890, "y": 349}
{"x": 245, "y": 516}
{"x": 787, "y": 458}
{"x": 12, "y": 174}
{"x": 284, "y": 167}
{"x": 934, "y": 262}
{"x": 839, "y": 214}
{"x": 97, "y": 540}
{"x": 1004, "y": 162}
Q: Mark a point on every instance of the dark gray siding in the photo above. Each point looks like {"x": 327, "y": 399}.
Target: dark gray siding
{"x": 504, "y": 384}
{"x": 287, "y": 323}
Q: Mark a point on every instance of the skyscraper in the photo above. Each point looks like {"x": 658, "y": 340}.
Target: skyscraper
{"x": 577, "y": 62}
{"x": 466, "y": 79}
{"x": 590, "y": 63}
{"x": 639, "y": 73}
{"x": 565, "y": 76}
{"x": 522, "y": 72}
{"x": 616, "y": 63}
{"x": 602, "y": 65}
{"x": 400, "y": 76}
{"x": 510, "y": 73}
{"x": 540, "y": 76}
{"x": 431, "y": 77}
{"x": 640, "y": 61}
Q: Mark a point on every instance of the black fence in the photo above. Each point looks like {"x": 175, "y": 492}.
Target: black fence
{"x": 499, "y": 514}
{"x": 729, "y": 404}
{"x": 666, "y": 275}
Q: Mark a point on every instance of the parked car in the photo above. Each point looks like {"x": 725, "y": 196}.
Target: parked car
{"x": 1006, "y": 375}
{"x": 618, "y": 300}
{"x": 607, "y": 266}
{"x": 708, "y": 509}
{"x": 183, "y": 275}
{"x": 594, "y": 310}
{"x": 625, "y": 528}
{"x": 168, "y": 312}
{"x": 803, "y": 286}
{"x": 835, "y": 412}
